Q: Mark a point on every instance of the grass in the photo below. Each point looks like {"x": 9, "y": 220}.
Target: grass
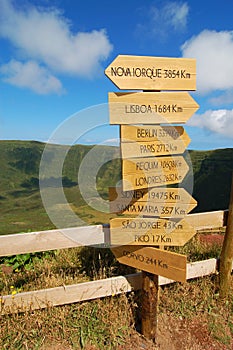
{"x": 105, "y": 323}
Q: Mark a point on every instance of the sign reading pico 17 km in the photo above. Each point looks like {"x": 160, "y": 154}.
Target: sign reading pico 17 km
{"x": 151, "y": 159}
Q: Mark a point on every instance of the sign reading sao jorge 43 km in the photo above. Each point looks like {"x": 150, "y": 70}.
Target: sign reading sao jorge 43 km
{"x": 152, "y": 73}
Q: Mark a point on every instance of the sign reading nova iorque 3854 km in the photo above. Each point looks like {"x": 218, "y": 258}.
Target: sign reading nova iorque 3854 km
{"x": 152, "y": 73}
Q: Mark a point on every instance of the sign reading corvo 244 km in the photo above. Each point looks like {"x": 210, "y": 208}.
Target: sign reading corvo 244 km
{"x": 150, "y": 73}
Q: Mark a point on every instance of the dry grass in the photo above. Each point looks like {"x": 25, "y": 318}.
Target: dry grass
{"x": 108, "y": 323}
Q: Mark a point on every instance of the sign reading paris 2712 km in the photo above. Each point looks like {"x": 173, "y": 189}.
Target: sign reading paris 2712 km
{"x": 152, "y": 73}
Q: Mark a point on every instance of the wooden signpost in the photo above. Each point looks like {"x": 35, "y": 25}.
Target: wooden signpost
{"x": 151, "y": 159}
{"x": 152, "y": 73}
{"x": 150, "y": 172}
{"x": 156, "y": 201}
{"x": 159, "y": 262}
{"x": 150, "y": 231}
{"x": 150, "y": 108}
{"x": 152, "y": 141}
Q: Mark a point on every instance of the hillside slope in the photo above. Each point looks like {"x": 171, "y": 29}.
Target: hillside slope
{"x": 21, "y": 205}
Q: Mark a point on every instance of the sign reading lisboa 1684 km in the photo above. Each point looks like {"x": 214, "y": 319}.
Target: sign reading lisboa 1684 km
{"x": 152, "y": 73}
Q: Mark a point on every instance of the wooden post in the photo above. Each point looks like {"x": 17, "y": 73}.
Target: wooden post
{"x": 150, "y": 299}
{"x": 226, "y": 257}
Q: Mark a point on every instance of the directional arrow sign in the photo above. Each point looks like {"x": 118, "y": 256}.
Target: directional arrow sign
{"x": 156, "y": 148}
{"x": 160, "y": 195}
{"x": 151, "y": 107}
{"x": 152, "y": 73}
{"x": 150, "y": 231}
{"x": 152, "y": 209}
{"x": 153, "y": 133}
{"x": 152, "y": 202}
{"x": 151, "y": 172}
{"x": 156, "y": 261}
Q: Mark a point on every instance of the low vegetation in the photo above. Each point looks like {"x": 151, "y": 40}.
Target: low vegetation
{"x": 190, "y": 314}
{"x": 111, "y": 322}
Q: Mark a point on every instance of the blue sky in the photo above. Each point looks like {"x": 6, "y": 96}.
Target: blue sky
{"x": 53, "y": 54}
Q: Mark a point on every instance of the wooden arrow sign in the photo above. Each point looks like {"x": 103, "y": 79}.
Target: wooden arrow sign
{"x": 156, "y": 261}
{"x": 152, "y": 209}
{"x": 156, "y": 202}
{"x": 151, "y": 107}
{"x": 160, "y": 195}
{"x": 144, "y": 141}
{"x": 152, "y": 73}
{"x": 152, "y": 133}
{"x": 150, "y": 231}
{"x": 156, "y": 148}
{"x": 140, "y": 173}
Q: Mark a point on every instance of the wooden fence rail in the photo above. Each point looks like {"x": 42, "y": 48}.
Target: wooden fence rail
{"x": 86, "y": 291}
{"x": 97, "y": 236}
{"x": 87, "y": 235}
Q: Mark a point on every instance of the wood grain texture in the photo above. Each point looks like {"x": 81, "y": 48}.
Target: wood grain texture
{"x": 150, "y": 232}
{"x": 152, "y": 73}
{"x": 33, "y": 300}
{"x": 153, "y": 260}
{"x": 150, "y": 107}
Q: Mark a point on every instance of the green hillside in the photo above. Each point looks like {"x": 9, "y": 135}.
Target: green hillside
{"x": 21, "y": 206}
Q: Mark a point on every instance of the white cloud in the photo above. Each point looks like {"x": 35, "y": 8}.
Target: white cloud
{"x": 218, "y": 121}
{"x": 31, "y": 75}
{"x": 176, "y": 14}
{"x": 222, "y": 99}
{"x": 45, "y": 36}
{"x": 160, "y": 20}
{"x": 213, "y": 52}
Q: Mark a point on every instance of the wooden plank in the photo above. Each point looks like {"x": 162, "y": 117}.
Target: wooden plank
{"x": 140, "y": 173}
{"x": 156, "y": 148}
{"x": 162, "y": 202}
{"x": 51, "y": 239}
{"x": 163, "y": 195}
{"x": 194, "y": 270}
{"x": 152, "y": 260}
{"x": 152, "y": 209}
{"x": 55, "y": 239}
{"x": 29, "y": 301}
{"x": 152, "y": 73}
{"x": 151, "y": 133}
{"x": 44, "y": 298}
{"x": 150, "y": 231}
{"x": 150, "y": 107}
{"x": 202, "y": 221}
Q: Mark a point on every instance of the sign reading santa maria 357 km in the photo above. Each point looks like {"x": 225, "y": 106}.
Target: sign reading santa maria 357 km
{"x": 152, "y": 73}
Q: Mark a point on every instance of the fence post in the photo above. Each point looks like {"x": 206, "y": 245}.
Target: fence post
{"x": 150, "y": 299}
{"x": 226, "y": 257}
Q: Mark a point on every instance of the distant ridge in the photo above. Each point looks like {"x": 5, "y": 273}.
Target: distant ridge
{"x": 19, "y": 173}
